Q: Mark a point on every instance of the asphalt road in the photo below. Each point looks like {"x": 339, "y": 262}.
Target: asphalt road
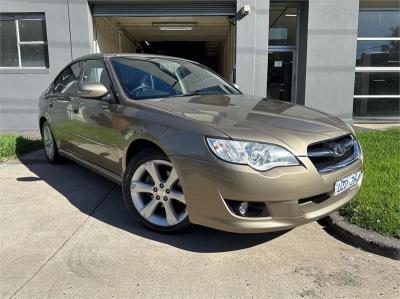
{"x": 65, "y": 232}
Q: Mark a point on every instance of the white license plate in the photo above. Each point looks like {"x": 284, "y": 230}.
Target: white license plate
{"x": 345, "y": 183}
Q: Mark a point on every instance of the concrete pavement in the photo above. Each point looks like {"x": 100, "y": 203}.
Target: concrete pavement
{"x": 65, "y": 232}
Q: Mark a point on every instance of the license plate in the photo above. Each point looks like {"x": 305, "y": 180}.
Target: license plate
{"x": 345, "y": 183}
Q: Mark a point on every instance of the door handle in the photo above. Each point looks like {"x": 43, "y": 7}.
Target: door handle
{"x": 105, "y": 106}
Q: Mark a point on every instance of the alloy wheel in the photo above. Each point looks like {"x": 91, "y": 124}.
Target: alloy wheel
{"x": 48, "y": 141}
{"x": 157, "y": 194}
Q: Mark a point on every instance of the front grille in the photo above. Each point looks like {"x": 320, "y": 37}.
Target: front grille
{"x": 334, "y": 154}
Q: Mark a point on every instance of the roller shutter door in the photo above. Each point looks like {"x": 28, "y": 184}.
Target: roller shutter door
{"x": 151, "y": 9}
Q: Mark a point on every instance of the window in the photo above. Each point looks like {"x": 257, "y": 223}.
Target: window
{"x": 23, "y": 41}
{"x": 283, "y": 26}
{"x": 95, "y": 71}
{"x": 373, "y": 53}
{"x": 67, "y": 81}
{"x": 378, "y": 23}
{"x": 377, "y": 78}
{"x": 376, "y": 107}
{"x": 376, "y": 83}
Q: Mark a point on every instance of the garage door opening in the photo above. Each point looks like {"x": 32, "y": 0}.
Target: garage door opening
{"x": 201, "y": 52}
{"x": 209, "y": 40}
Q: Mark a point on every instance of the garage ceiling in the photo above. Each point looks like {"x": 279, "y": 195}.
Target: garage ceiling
{"x": 205, "y": 28}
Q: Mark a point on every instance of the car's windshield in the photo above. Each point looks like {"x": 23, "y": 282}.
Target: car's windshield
{"x": 167, "y": 77}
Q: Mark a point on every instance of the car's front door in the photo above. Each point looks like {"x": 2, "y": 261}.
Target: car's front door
{"x": 92, "y": 120}
{"x": 59, "y": 98}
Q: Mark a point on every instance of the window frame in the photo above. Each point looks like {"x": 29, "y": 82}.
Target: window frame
{"x": 29, "y": 17}
{"x": 375, "y": 69}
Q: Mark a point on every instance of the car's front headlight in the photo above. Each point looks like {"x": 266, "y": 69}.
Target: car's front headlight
{"x": 260, "y": 156}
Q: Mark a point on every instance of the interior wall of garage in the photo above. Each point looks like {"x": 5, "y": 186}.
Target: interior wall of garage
{"x": 226, "y": 55}
{"x": 109, "y": 39}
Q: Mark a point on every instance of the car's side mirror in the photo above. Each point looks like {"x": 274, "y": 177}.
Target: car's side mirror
{"x": 92, "y": 90}
{"x": 236, "y": 86}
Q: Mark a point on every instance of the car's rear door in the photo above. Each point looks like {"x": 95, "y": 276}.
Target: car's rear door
{"x": 59, "y": 100}
{"x": 92, "y": 120}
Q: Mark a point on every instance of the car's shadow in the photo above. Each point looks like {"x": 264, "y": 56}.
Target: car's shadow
{"x": 77, "y": 184}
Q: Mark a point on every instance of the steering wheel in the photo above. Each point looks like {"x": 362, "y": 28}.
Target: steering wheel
{"x": 142, "y": 87}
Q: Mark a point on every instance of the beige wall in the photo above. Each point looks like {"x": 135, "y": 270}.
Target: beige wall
{"x": 108, "y": 39}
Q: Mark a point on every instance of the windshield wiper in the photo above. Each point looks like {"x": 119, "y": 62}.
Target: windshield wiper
{"x": 194, "y": 93}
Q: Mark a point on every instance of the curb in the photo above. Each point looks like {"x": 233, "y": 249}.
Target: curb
{"x": 365, "y": 239}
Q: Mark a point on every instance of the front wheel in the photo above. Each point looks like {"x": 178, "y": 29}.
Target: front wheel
{"x": 153, "y": 193}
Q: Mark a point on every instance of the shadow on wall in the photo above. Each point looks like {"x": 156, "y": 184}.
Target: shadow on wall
{"x": 101, "y": 199}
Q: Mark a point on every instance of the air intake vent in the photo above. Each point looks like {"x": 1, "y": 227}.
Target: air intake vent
{"x": 315, "y": 199}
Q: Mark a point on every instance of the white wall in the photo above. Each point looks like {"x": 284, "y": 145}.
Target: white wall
{"x": 331, "y": 56}
{"x": 252, "y": 47}
{"x": 20, "y": 88}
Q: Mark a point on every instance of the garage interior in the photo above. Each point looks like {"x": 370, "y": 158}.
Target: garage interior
{"x": 209, "y": 40}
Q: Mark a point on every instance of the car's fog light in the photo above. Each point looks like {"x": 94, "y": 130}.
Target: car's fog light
{"x": 247, "y": 209}
{"x": 243, "y": 207}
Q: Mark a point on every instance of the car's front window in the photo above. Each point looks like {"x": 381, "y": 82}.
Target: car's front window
{"x": 146, "y": 78}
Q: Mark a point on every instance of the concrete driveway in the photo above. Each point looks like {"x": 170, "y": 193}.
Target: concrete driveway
{"x": 65, "y": 232}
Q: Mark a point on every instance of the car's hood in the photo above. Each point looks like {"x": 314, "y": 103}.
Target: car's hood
{"x": 263, "y": 120}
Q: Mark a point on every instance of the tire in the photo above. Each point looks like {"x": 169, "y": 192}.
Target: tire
{"x": 154, "y": 200}
{"x": 50, "y": 146}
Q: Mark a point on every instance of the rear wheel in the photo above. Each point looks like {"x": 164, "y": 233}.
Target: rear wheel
{"x": 50, "y": 145}
{"x": 153, "y": 193}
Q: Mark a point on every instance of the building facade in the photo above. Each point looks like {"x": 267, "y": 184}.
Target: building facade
{"x": 338, "y": 56}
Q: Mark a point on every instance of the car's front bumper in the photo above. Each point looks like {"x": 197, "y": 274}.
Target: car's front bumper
{"x": 208, "y": 183}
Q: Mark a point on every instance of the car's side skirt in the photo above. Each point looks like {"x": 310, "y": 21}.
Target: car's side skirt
{"x": 115, "y": 178}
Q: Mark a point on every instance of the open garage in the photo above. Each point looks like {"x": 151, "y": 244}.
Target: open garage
{"x": 207, "y": 36}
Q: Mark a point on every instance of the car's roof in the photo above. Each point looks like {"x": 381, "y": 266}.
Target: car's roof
{"x": 128, "y": 55}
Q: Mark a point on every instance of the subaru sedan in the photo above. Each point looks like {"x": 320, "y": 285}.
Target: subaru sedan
{"x": 188, "y": 147}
